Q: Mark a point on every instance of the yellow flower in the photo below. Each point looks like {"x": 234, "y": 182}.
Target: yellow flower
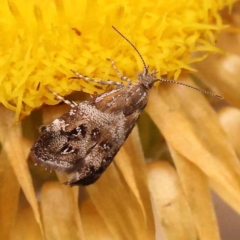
{"x": 41, "y": 42}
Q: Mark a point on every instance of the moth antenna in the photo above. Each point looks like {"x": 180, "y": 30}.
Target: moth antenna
{"x": 186, "y": 85}
{"x": 139, "y": 54}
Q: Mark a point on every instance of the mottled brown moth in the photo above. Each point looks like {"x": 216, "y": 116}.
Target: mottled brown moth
{"x": 84, "y": 141}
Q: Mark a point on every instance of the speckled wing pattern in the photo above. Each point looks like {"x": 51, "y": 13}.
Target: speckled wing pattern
{"x": 84, "y": 141}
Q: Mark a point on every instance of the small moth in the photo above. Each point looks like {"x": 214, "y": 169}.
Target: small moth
{"x": 84, "y": 141}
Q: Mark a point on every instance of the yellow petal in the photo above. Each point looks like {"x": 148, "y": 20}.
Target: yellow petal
{"x": 190, "y": 126}
{"x": 60, "y": 212}
{"x": 16, "y": 148}
{"x": 170, "y": 202}
{"x": 197, "y": 191}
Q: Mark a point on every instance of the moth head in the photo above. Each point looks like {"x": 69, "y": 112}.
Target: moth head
{"x": 147, "y": 79}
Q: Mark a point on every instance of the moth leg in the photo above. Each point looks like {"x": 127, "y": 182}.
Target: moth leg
{"x": 120, "y": 75}
{"x": 102, "y": 82}
{"x": 58, "y": 97}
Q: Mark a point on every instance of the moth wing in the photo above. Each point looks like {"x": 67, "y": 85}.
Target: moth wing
{"x": 102, "y": 154}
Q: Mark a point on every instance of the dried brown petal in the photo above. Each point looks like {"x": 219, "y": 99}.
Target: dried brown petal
{"x": 191, "y": 127}
{"x": 15, "y": 147}
{"x": 230, "y": 120}
{"x": 170, "y": 202}
{"x": 60, "y": 212}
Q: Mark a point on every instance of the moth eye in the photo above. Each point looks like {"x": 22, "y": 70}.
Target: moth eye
{"x": 81, "y": 129}
{"x": 95, "y": 134}
{"x": 106, "y": 145}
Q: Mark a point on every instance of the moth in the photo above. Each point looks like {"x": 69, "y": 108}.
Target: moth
{"x": 84, "y": 141}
